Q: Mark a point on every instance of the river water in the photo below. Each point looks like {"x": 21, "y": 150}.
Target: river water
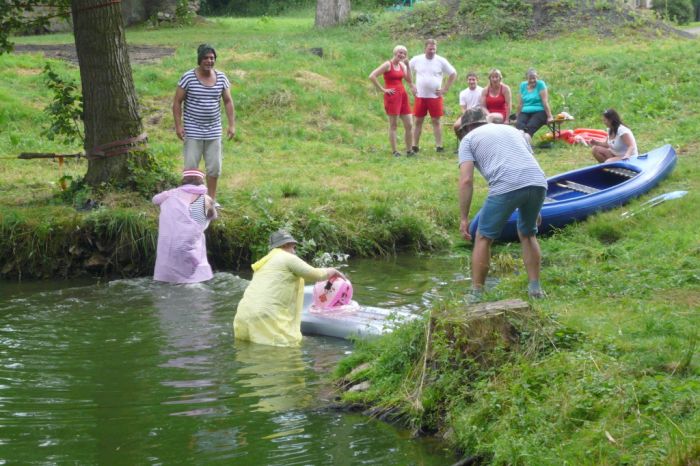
{"x": 137, "y": 372}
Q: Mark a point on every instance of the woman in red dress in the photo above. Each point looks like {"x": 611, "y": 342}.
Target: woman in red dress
{"x": 496, "y": 97}
{"x": 396, "y": 102}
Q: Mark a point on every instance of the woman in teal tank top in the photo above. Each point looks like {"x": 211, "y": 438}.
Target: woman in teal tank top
{"x": 533, "y": 109}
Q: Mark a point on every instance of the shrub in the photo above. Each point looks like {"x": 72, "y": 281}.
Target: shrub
{"x": 479, "y": 20}
{"x": 679, "y": 11}
{"x": 66, "y": 110}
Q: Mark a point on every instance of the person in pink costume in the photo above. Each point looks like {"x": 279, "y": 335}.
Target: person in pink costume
{"x": 185, "y": 212}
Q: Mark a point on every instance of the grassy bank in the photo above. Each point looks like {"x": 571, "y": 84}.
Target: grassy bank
{"x": 606, "y": 371}
{"x": 311, "y": 152}
{"x": 614, "y": 379}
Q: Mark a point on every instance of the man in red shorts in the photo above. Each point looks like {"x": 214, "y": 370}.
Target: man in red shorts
{"x": 429, "y": 70}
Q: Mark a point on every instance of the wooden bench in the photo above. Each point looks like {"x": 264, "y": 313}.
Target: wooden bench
{"x": 623, "y": 172}
{"x": 582, "y": 188}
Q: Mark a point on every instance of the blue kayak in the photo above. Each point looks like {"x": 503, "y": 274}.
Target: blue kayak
{"x": 575, "y": 195}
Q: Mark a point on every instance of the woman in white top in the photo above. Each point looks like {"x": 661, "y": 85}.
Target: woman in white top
{"x": 620, "y": 145}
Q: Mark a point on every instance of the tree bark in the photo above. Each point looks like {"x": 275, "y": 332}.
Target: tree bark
{"x": 331, "y": 12}
{"x": 109, "y": 97}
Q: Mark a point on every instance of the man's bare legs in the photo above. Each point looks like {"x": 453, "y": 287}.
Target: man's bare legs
{"x": 437, "y": 131}
{"x": 532, "y": 257}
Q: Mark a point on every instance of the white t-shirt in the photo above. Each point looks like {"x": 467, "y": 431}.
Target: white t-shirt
{"x": 469, "y": 98}
{"x": 429, "y": 74}
{"x": 618, "y": 146}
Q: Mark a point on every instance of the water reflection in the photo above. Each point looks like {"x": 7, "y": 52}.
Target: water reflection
{"x": 273, "y": 376}
{"x": 138, "y": 372}
{"x": 410, "y": 283}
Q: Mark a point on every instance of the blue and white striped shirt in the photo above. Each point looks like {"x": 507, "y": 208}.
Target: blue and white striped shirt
{"x": 198, "y": 210}
{"x": 202, "y": 107}
{"x": 503, "y": 157}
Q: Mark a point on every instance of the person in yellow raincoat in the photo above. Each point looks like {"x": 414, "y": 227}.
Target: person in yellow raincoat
{"x": 270, "y": 311}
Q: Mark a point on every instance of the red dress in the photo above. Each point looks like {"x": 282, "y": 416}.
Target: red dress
{"x": 497, "y": 104}
{"x": 396, "y": 103}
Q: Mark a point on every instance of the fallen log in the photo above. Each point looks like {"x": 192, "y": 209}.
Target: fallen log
{"x": 48, "y": 155}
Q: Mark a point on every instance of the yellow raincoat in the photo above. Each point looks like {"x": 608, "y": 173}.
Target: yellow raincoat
{"x": 270, "y": 311}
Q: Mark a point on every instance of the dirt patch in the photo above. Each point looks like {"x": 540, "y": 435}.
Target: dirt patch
{"x": 239, "y": 74}
{"x": 694, "y": 31}
{"x": 310, "y": 79}
{"x": 28, "y": 71}
{"x": 252, "y": 56}
{"x": 684, "y": 298}
{"x": 138, "y": 54}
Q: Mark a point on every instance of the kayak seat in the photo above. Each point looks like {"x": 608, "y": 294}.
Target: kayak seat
{"x": 582, "y": 188}
{"x": 623, "y": 172}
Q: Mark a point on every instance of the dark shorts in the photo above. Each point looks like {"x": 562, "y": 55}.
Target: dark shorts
{"x": 497, "y": 210}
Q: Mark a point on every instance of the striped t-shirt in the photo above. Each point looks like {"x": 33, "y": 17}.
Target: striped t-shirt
{"x": 202, "y": 108}
{"x": 198, "y": 210}
{"x": 503, "y": 157}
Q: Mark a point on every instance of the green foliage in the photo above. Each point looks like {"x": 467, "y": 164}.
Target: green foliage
{"x": 509, "y": 18}
{"x": 311, "y": 150}
{"x": 678, "y": 11}
{"x": 60, "y": 242}
{"x": 184, "y": 16}
{"x": 362, "y": 19}
{"x": 374, "y": 4}
{"x": 30, "y": 240}
{"x": 20, "y": 16}
{"x": 129, "y": 235}
{"x": 252, "y": 7}
{"x": 479, "y": 20}
{"x": 149, "y": 174}
{"x": 422, "y": 387}
{"x": 66, "y": 110}
{"x": 559, "y": 397}
{"x": 78, "y": 194}
{"x": 427, "y": 20}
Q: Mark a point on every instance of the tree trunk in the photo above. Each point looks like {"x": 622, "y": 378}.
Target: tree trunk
{"x": 110, "y": 106}
{"x": 331, "y": 12}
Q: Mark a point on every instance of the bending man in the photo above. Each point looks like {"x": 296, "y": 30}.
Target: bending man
{"x": 515, "y": 180}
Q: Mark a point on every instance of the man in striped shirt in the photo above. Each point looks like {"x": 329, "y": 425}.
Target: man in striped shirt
{"x": 516, "y": 181}
{"x": 201, "y": 91}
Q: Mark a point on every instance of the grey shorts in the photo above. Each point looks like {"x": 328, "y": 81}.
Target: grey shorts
{"x": 194, "y": 149}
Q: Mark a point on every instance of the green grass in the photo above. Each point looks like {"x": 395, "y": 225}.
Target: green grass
{"x": 620, "y": 326}
{"x": 319, "y": 124}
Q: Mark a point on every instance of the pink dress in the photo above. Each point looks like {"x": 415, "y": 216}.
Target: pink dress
{"x": 182, "y": 251}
